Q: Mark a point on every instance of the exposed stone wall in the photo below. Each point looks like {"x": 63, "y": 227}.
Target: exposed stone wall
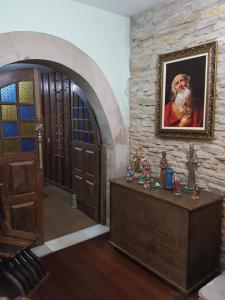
{"x": 177, "y": 25}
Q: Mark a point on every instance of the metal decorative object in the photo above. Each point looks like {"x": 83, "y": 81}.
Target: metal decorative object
{"x": 192, "y": 70}
{"x": 163, "y": 166}
{"x": 192, "y": 165}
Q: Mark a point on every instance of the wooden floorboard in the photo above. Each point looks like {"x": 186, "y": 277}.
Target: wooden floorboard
{"x": 95, "y": 270}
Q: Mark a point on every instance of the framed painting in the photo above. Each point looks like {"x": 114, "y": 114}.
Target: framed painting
{"x": 186, "y": 92}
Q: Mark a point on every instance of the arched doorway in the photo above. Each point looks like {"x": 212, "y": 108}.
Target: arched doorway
{"x": 33, "y": 46}
{"x": 72, "y": 151}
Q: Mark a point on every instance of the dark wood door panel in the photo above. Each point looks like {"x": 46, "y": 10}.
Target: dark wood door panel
{"x": 21, "y": 178}
{"x": 78, "y": 159}
{"x": 56, "y": 103}
{"x": 90, "y": 159}
{"x": 78, "y": 182}
{"x": 24, "y": 216}
{"x": 86, "y": 167}
{"x": 90, "y": 189}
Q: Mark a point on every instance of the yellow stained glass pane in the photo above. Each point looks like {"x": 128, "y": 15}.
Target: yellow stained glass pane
{"x": 27, "y": 129}
{"x": 10, "y": 146}
{"x": 26, "y": 92}
{"x": 9, "y": 112}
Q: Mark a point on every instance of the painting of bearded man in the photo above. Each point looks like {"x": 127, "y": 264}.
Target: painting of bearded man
{"x": 183, "y": 109}
{"x": 186, "y": 92}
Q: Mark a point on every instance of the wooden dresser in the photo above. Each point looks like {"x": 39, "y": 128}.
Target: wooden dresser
{"x": 176, "y": 237}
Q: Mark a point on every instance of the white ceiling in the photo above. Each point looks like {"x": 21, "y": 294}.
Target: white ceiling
{"x": 126, "y": 8}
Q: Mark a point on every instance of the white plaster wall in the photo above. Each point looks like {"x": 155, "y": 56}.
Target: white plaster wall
{"x": 102, "y": 35}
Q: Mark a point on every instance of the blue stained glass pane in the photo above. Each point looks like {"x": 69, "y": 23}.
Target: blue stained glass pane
{"x": 76, "y": 135}
{"x": 9, "y": 129}
{"x": 80, "y": 102}
{"x": 86, "y": 114}
{"x": 85, "y": 138}
{"x": 27, "y": 144}
{"x": 80, "y": 124}
{"x": 27, "y": 112}
{"x": 8, "y": 93}
{"x": 75, "y": 113}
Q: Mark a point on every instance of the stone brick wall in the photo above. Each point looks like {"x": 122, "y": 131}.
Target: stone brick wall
{"x": 173, "y": 26}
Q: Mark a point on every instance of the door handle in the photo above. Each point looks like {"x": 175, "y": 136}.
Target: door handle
{"x": 1, "y": 188}
{"x": 40, "y": 150}
{"x": 39, "y": 127}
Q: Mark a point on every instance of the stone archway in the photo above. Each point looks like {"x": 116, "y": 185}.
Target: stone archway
{"x": 34, "y": 46}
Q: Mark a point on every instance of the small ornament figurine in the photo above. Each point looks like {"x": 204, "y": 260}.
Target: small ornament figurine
{"x": 139, "y": 155}
{"x": 169, "y": 178}
{"x": 176, "y": 185}
{"x": 145, "y": 168}
{"x": 148, "y": 181}
{"x": 163, "y": 165}
{"x": 130, "y": 173}
{"x": 195, "y": 193}
{"x": 191, "y": 164}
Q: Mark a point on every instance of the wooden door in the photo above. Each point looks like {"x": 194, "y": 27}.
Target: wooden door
{"x": 20, "y": 149}
{"x": 57, "y": 147}
{"x": 85, "y": 157}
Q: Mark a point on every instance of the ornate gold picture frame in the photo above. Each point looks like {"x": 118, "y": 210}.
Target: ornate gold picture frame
{"x": 186, "y": 92}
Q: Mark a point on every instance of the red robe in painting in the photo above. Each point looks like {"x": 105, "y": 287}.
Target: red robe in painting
{"x": 171, "y": 120}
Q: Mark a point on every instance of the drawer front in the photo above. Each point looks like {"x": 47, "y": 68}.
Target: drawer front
{"x": 153, "y": 231}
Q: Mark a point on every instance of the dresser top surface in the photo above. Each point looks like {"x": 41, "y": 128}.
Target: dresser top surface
{"x": 184, "y": 201}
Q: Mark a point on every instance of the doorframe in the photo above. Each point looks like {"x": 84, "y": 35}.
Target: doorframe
{"x": 41, "y": 47}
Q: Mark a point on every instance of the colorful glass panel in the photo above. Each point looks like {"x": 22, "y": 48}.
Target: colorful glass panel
{"x": 80, "y": 124}
{"x": 75, "y": 124}
{"x": 76, "y": 135}
{"x": 75, "y": 113}
{"x": 27, "y": 144}
{"x": 9, "y": 112}
{"x": 10, "y": 146}
{"x": 86, "y": 114}
{"x": 26, "y": 92}
{"x": 27, "y": 129}
{"x": 86, "y": 125}
{"x": 9, "y": 129}
{"x": 8, "y": 93}
{"x": 81, "y": 113}
{"x": 27, "y": 112}
{"x": 75, "y": 100}
{"x": 85, "y": 138}
{"x": 80, "y": 102}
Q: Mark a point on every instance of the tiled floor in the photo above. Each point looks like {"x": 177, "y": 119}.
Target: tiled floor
{"x": 70, "y": 239}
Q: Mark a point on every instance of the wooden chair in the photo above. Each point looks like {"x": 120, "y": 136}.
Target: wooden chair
{"x": 19, "y": 265}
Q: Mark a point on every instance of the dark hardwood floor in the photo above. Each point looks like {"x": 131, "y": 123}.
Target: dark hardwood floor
{"x": 95, "y": 270}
